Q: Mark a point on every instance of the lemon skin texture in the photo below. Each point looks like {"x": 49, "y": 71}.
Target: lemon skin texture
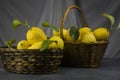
{"x": 58, "y": 40}
{"x": 35, "y": 34}
{"x": 36, "y": 45}
{"x": 101, "y": 33}
{"x": 23, "y": 44}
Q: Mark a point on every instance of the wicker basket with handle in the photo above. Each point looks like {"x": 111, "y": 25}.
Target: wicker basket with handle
{"x": 81, "y": 54}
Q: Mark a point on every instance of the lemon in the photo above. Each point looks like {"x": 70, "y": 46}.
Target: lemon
{"x": 55, "y": 33}
{"x": 23, "y": 44}
{"x": 64, "y": 33}
{"x": 53, "y": 45}
{"x": 36, "y": 45}
{"x": 35, "y": 34}
{"x": 88, "y": 38}
{"x": 59, "y": 41}
{"x": 79, "y": 38}
{"x": 101, "y": 33}
{"x": 84, "y": 30}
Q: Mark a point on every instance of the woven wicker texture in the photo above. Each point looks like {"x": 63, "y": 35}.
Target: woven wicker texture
{"x": 31, "y": 61}
{"x": 83, "y": 55}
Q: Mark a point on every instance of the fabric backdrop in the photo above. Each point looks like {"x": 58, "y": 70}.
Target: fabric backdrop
{"x": 37, "y": 11}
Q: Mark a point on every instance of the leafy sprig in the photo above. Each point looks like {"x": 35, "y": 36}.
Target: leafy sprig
{"x": 112, "y": 20}
{"x": 46, "y": 24}
{"x": 16, "y": 23}
{"x": 45, "y": 44}
{"x": 118, "y": 26}
{"x": 10, "y": 43}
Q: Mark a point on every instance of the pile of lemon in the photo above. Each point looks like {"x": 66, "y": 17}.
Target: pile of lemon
{"x": 86, "y": 35}
{"x": 35, "y": 37}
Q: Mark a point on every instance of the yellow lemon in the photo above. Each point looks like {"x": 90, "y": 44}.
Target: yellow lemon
{"x": 23, "y": 44}
{"x": 55, "y": 33}
{"x": 36, "y": 45}
{"x": 101, "y": 33}
{"x": 59, "y": 41}
{"x": 88, "y": 38}
{"x": 79, "y": 39}
{"x": 53, "y": 45}
{"x": 35, "y": 34}
{"x": 84, "y": 30}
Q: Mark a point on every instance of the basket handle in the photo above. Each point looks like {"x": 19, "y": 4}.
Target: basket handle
{"x": 65, "y": 15}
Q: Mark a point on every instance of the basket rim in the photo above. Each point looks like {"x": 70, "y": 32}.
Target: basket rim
{"x": 98, "y": 42}
{"x": 6, "y": 49}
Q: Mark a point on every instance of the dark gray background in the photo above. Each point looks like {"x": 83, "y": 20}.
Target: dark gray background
{"x": 37, "y": 11}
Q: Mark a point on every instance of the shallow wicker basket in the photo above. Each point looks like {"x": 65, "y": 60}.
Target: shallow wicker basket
{"x": 31, "y": 61}
{"x": 81, "y": 54}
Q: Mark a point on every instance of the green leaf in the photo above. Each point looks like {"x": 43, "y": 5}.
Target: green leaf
{"x": 45, "y": 44}
{"x": 111, "y": 18}
{"x": 118, "y": 26}
{"x": 16, "y": 23}
{"x": 74, "y": 33}
{"x": 45, "y": 24}
{"x": 10, "y": 43}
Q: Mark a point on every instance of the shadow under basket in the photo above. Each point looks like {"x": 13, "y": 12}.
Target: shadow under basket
{"x": 83, "y": 55}
{"x": 31, "y": 61}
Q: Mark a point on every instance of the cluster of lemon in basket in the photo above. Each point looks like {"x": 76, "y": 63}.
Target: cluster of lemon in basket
{"x": 37, "y": 39}
{"x": 86, "y": 35}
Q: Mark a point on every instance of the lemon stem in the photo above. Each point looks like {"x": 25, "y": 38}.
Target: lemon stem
{"x": 26, "y": 24}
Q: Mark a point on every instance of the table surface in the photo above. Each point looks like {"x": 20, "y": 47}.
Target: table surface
{"x": 109, "y": 70}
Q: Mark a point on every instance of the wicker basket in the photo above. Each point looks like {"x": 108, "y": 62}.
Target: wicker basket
{"x": 81, "y": 54}
{"x": 31, "y": 61}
